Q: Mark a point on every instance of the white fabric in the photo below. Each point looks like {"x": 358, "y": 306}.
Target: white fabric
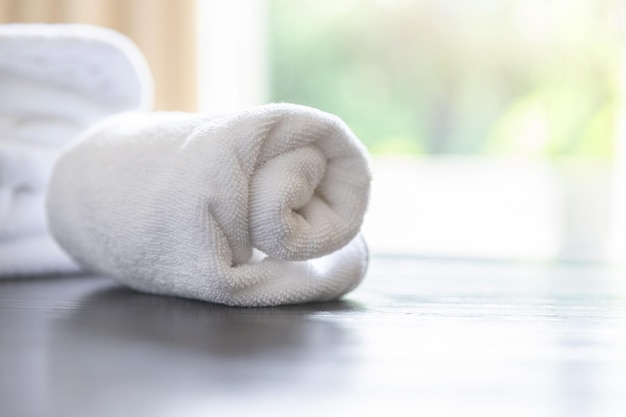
{"x": 55, "y": 81}
{"x": 260, "y": 207}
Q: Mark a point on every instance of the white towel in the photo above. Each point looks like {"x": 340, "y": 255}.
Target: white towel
{"x": 255, "y": 208}
{"x": 55, "y": 81}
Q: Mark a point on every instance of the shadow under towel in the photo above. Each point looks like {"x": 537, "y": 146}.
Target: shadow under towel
{"x": 255, "y": 208}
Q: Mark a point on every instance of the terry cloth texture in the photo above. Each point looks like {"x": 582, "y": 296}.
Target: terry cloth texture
{"x": 55, "y": 81}
{"x": 255, "y": 208}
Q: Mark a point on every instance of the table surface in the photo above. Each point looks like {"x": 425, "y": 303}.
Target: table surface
{"x": 420, "y": 337}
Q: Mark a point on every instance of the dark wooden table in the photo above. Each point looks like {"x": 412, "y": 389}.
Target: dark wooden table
{"x": 419, "y": 338}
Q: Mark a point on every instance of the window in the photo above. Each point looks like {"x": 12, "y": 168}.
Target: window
{"x": 493, "y": 125}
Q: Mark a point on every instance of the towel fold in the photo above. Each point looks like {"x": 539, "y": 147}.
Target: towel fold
{"x": 55, "y": 81}
{"x": 255, "y": 208}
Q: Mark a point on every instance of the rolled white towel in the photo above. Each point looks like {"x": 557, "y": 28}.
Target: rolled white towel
{"x": 55, "y": 81}
{"x": 260, "y": 207}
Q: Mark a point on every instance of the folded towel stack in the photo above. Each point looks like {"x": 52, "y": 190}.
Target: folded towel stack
{"x": 255, "y": 208}
{"x": 55, "y": 80}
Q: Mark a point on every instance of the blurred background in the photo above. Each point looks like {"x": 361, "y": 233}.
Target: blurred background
{"x": 496, "y": 127}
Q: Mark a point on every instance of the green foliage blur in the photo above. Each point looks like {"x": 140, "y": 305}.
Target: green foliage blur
{"x": 523, "y": 77}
